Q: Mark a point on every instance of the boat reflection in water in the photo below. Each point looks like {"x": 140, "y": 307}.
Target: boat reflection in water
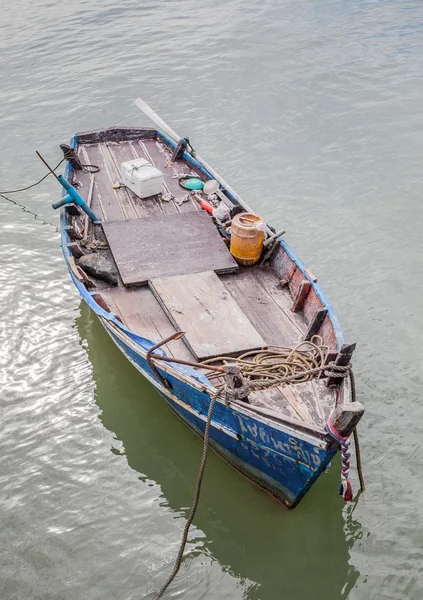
{"x": 299, "y": 554}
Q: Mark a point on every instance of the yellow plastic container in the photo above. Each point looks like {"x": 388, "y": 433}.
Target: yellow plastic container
{"x": 247, "y": 234}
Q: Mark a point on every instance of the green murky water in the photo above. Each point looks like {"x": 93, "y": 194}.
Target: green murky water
{"x": 312, "y": 110}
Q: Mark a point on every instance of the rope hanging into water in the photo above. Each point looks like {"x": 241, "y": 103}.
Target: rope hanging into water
{"x": 195, "y": 501}
{"x": 68, "y": 155}
{"x": 30, "y": 212}
{"x": 345, "y": 488}
{"x": 302, "y": 365}
{"x": 356, "y": 440}
{"x": 28, "y": 187}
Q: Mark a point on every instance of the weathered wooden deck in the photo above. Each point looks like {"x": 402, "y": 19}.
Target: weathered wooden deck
{"x": 256, "y": 291}
{"x": 116, "y": 205}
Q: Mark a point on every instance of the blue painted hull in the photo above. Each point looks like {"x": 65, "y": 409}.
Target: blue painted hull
{"x": 279, "y": 459}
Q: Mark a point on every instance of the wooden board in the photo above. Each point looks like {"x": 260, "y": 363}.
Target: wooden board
{"x": 200, "y": 305}
{"x": 141, "y": 312}
{"x": 266, "y": 312}
{"x": 178, "y": 244}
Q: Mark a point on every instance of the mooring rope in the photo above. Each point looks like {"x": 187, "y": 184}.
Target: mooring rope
{"x": 195, "y": 501}
{"x": 278, "y": 365}
{"x": 299, "y": 363}
{"x": 28, "y": 187}
{"x": 69, "y": 154}
{"x": 356, "y": 440}
{"x": 345, "y": 488}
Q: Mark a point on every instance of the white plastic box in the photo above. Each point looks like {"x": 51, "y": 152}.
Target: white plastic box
{"x": 141, "y": 177}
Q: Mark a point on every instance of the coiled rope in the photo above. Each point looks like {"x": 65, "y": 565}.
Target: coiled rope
{"x": 278, "y": 365}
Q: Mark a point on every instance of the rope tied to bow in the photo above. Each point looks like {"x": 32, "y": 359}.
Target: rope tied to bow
{"x": 345, "y": 487}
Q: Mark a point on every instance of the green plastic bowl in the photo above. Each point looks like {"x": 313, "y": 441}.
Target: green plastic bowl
{"x": 193, "y": 184}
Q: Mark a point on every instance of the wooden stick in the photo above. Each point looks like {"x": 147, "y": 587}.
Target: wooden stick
{"x": 149, "y": 112}
{"x": 301, "y": 296}
{"x": 88, "y": 203}
{"x": 316, "y": 323}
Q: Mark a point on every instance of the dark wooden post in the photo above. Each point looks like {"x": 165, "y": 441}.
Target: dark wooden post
{"x": 343, "y": 359}
{"x": 76, "y": 250}
{"x": 316, "y": 323}
{"x": 98, "y": 298}
{"x": 301, "y": 296}
{"x": 346, "y": 416}
{"x": 236, "y": 387}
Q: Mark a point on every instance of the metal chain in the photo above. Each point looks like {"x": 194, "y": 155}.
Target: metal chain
{"x": 30, "y": 212}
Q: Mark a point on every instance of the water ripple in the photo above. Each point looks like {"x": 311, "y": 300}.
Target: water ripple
{"x": 313, "y": 111}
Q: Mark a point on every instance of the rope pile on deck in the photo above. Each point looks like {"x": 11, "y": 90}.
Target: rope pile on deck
{"x": 278, "y": 365}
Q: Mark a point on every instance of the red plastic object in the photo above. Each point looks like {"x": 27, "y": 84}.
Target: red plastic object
{"x": 206, "y": 206}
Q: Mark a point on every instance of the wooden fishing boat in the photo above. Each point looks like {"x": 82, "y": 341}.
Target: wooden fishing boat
{"x": 153, "y": 268}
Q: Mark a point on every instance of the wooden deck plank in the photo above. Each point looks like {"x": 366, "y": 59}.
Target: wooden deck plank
{"x": 123, "y": 203}
{"x": 272, "y": 400}
{"x": 81, "y": 176}
{"x": 122, "y": 196}
{"x": 297, "y": 402}
{"x": 161, "y": 155}
{"x": 142, "y": 314}
{"x": 264, "y": 313}
{"x": 129, "y": 303}
{"x": 144, "y": 207}
{"x": 326, "y": 398}
{"x": 145, "y": 249}
{"x": 105, "y": 194}
{"x": 269, "y": 280}
{"x": 200, "y": 305}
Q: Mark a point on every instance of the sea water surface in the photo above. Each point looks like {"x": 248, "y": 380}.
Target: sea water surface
{"x": 312, "y": 109}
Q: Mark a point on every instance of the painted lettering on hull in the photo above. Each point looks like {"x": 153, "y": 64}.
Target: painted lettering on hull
{"x": 262, "y": 441}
